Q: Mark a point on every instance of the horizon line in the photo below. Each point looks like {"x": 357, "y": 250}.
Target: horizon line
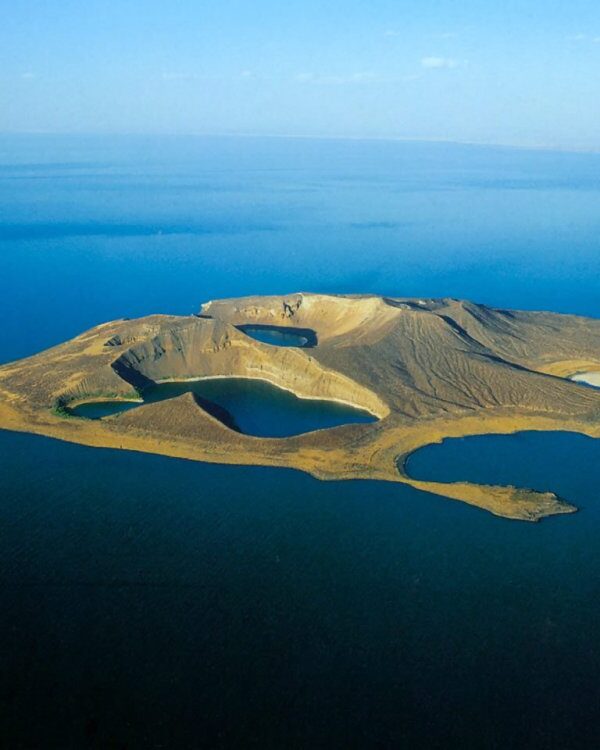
{"x": 311, "y": 137}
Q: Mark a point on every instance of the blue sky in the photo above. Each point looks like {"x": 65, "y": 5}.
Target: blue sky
{"x": 523, "y": 73}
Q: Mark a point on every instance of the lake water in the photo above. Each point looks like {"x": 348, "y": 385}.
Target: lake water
{"x": 152, "y": 602}
{"x": 253, "y": 407}
{"x": 277, "y": 336}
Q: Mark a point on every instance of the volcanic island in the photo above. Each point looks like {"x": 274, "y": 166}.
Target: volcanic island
{"x": 425, "y": 369}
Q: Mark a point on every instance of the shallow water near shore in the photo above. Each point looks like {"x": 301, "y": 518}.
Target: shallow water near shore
{"x": 152, "y": 602}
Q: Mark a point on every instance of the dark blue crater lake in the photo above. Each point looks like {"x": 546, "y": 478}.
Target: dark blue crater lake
{"x": 148, "y": 602}
{"x": 251, "y": 406}
{"x": 279, "y": 336}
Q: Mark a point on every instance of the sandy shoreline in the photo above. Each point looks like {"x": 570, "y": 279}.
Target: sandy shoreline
{"x": 589, "y": 378}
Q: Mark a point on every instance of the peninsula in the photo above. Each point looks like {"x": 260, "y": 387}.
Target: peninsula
{"x": 423, "y": 369}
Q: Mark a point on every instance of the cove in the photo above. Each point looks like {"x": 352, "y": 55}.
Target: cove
{"x": 253, "y": 407}
{"x": 530, "y": 459}
{"x": 280, "y": 336}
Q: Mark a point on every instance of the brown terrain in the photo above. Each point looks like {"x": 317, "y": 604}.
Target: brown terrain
{"x": 427, "y": 368}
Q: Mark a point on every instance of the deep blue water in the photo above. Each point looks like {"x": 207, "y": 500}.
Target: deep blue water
{"x": 167, "y": 603}
{"x": 151, "y": 602}
{"x": 253, "y": 407}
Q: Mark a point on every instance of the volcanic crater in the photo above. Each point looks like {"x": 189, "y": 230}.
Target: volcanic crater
{"x": 422, "y": 369}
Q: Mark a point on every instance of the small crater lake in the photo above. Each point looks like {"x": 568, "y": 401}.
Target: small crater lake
{"x": 281, "y": 336}
{"x": 253, "y": 407}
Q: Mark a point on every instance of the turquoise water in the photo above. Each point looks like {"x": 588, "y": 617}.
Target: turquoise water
{"x": 253, "y": 407}
{"x": 150, "y": 602}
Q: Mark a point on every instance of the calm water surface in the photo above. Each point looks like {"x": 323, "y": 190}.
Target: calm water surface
{"x": 170, "y": 603}
{"x": 253, "y": 407}
{"x": 278, "y": 336}
{"x": 150, "y": 602}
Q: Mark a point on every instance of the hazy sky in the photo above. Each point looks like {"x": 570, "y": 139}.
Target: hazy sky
{"x": 499, "y": 71}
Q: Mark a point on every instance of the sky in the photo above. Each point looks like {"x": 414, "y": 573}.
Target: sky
{"x": 487, "y": 71}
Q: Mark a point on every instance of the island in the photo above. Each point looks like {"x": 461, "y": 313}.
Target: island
{"x": 422, "y": 370}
